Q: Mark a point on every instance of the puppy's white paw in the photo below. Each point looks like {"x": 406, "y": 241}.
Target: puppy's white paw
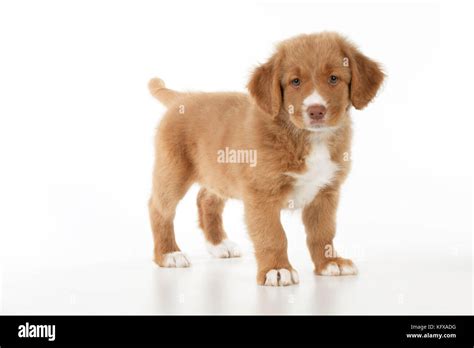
{"x": 281, "y": 277}
{"x": 176, "y": 259}
{"x": 337, "y": 267}
{"x": 225, "y": 249}
{"x": 348, "y": 269}
{"x": 331, "y": 269}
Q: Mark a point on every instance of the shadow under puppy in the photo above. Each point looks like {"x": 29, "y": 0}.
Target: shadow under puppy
{"x": 295, "y": 125}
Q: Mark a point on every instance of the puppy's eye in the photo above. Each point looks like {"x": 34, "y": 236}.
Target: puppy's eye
{"x": 333, "y": 79}
{"x": 296, "y": 82}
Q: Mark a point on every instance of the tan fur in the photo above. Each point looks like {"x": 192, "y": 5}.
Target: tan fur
{"x": 198, "y": 125}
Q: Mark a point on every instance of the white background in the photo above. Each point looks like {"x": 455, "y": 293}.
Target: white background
{"x": 76, "y": 149}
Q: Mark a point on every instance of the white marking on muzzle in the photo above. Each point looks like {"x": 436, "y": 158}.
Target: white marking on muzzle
{"x": 313, "y": 98}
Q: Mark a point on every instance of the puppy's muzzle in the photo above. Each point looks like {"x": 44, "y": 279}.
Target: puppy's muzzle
{"x": 316, "y": 113}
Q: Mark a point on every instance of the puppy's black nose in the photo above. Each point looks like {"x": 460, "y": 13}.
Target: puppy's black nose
{"x": 316, "y": 112}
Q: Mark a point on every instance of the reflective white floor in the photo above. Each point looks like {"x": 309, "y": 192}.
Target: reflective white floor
{"x": 387, "y": 285}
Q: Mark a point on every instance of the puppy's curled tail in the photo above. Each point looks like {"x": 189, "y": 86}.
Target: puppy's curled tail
{"x": 159, "y": 91}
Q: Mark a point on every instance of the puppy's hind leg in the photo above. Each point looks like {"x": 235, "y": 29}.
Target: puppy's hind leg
{"x": 210, "y": 207}
{"x": 171, "y": 180}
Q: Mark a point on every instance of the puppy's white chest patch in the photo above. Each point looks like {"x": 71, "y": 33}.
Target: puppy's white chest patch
{"x": 320, "y": 172}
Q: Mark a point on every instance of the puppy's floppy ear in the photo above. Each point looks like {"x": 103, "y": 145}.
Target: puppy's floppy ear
{"x": 264, "y": 86}
{"x": 367, "y": 77}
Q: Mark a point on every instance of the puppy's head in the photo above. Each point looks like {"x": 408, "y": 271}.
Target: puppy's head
{"x": 313, "y": 80}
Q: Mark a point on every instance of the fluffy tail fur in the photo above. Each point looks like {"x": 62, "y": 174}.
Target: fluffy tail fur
{"x": 159, "y": 91}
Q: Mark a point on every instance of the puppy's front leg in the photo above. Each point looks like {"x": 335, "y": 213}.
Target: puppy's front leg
{"x": 319, "y": 219}
{"x": 269, "y": 239}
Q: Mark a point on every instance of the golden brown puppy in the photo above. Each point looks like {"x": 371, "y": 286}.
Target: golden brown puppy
{"x": 285, "y": 147}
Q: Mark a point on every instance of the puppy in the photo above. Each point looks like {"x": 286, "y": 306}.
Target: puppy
{"x": 295, "y": 125}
